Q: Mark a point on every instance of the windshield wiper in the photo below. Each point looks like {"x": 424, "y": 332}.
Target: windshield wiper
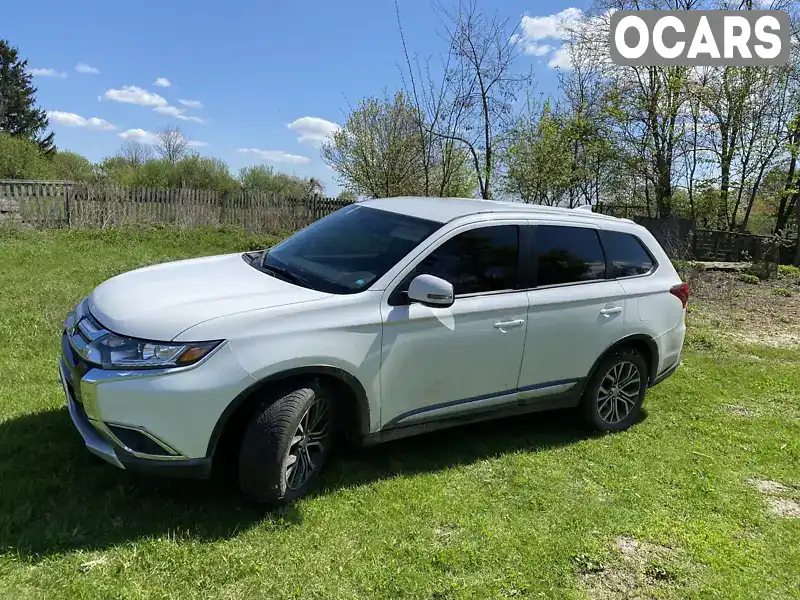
{"x": 287, "y": 274}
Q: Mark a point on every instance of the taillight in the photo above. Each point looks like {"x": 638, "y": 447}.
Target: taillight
{"x": 681, "y": 292}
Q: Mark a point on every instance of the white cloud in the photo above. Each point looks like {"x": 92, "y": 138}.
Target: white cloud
{"x": 276, "y": 156}
{"x": 176, "y": 112}
{"x": 560, "y": 60}
{"x": 537, "y": 49}
{"x": 69, "y": 119}
{"x": 196, "y": 144}
{"x": 135, "y": 95}
{"x": 162, "y": 82}
{"x": 88, "y": 70}
{"x": 47, "y": 73}
{"x": 168, "y": 110}
{"x": 313, "y": 129}
{"x": 191, "y": 103}
{"x": 140, "y": 135}
{"x": 551, "y": 27}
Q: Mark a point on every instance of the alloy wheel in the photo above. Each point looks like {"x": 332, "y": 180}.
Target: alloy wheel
{"x": 618, "y": 392}
{"x": 308, "y": 445}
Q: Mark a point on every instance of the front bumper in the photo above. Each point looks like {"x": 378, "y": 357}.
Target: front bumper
{"x": 101, "y": 443}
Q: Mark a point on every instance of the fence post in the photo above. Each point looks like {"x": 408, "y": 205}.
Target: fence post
{"x": 223, "y": 207}
{"x": 67, "y": 211}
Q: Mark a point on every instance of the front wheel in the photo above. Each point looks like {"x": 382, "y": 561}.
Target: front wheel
{"x": 613, "y": 396}
{"x": 286, "y": 445}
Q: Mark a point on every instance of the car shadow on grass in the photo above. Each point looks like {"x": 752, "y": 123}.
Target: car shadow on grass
{"x": 56, "y": 497}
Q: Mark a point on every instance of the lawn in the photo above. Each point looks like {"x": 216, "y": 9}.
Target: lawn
{"x": 695, "y": 501}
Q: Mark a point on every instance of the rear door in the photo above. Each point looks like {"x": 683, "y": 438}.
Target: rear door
{"x": 574, "y": 311}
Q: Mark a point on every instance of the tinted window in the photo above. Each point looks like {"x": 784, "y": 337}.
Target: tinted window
{"x": 346, "y": 251}
{"x": 479, "y": 260}
{"x": 626, "y": 254}
{"x": 568, "y": 254}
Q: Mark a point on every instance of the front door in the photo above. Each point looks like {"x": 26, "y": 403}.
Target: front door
{"x": 439, "y": 362}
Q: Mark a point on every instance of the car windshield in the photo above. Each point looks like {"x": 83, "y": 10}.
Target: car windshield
{"x": 347, "y": 251}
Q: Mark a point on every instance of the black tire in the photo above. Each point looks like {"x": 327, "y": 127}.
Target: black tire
{"x": 265, "y": 473}
{"x": 597, "y": 407}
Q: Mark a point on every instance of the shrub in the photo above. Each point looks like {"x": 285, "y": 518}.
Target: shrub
{"x": 789, "y": 271}
{"x": 748, "y": 278}
{"x": 782, "y": 292}
{"x": 687, "y": 269}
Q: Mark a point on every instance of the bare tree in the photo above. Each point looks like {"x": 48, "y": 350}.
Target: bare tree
{"x": 172, "y": 144}
{"x": 480, "y": 85}
{"x": 135, "y": 152}
{"x": 647, "y": 101}
{"x": 442, "y": 160}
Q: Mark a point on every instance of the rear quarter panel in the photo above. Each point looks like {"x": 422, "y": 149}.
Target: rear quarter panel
{"x": 651, "y": 309}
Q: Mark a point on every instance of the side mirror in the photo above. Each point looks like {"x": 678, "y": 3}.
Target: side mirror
{"x": 431, "y": 291}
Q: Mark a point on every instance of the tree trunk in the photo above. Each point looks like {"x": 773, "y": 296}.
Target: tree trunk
{"x": 724, "y": 183}
{"x": 796, "y": 261}
{"x": 663, "y": 191}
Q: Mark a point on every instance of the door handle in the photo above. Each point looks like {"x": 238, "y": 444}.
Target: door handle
{"x": 611, "y": 311}
{"x": 503, "y": 325}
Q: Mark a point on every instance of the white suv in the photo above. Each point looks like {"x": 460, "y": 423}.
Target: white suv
{"x": 387, "y": 318}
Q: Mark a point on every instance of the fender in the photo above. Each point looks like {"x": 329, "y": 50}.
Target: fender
{"x": 360, "y": 395}
{"x": 637, "y": 337}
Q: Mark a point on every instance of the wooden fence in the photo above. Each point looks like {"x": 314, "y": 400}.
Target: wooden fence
{"x": 731, "y": 246}
{"x": 680, "y": 239}
{"x": 63, "y": 204}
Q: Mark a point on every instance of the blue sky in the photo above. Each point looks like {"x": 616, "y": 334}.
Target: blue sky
{"x": 249, "y": 81}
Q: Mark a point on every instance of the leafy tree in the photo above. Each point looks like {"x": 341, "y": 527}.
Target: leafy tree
{"x": 19, "y": 115}
{"x": 202, "y": 173}
{"x": 263, "y": 178}
{"x": 72, "y": 167}
{"x": 539, "y": 160}
{"x": 21, "y": 158}
{"x": 347, "y": 196}
{"x": 379, "y": 153}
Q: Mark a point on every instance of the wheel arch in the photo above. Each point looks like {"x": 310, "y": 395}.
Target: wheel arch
{"x": 241, "y": 406}
{"x": 642, "y": 342}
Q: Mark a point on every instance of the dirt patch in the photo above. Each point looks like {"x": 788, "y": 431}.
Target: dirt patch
{"x": 784, "y": 507}
{"x": 783, "y": 500}
{"x": 748, "y": 313}
{"x": 635, "y": 570}
{"x": 739, "y": 411}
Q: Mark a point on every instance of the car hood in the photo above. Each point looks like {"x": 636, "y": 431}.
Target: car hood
{"x": 161, "y": 301}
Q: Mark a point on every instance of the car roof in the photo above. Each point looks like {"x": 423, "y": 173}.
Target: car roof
{"x": 444, "y": 210}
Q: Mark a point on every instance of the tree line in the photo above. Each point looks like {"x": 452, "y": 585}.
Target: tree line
{"x": 718, "y": 145}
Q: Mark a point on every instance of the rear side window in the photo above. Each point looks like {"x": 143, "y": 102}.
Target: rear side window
{"x": 626, "y": 254}
{"x": 476, "y": 261}
{"x": 568, "y": 255}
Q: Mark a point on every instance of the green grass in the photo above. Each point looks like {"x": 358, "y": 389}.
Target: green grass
{"x": 527, "y": 508}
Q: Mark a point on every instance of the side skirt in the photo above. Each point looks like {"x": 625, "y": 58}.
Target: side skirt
{"x": 568, "y": 399}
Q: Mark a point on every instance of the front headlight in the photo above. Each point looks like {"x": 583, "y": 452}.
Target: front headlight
{"x": 97, "y": 345}
{"x": 117, "y": 351}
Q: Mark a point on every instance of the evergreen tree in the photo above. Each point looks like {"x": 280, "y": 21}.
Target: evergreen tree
{"x": 19, "y": 115}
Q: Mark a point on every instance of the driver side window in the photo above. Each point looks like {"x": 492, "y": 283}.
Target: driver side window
{"x": 476, "y": 261}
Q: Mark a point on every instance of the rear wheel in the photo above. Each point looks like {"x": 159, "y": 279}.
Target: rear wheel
{"x": 613, "y": 396}
{"x": 286, "y": 444}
